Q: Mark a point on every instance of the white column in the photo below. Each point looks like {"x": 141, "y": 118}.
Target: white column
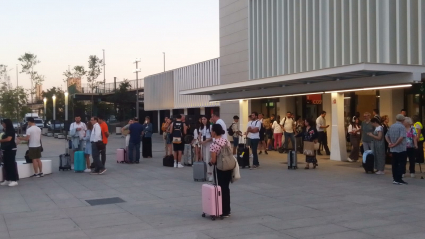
{"x": 202, "y": 110}
{"x": 391, "y": 102}
{"x": 159, "y": 123}
{"x": 338, "y": 144}
{"x": 185, "y": 111}
{"x": 171, "y": 113}
{"x": 244, "y": 111}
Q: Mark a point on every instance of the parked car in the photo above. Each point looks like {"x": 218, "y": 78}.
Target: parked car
{"x": 16, "y": 125}
{"x": 55, "y": 125}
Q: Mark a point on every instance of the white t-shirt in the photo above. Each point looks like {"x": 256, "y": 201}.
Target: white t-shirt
{"x": 289, "y": 124}
{"x": 254, "y": 124}
{"x": 223, "y": 125}
{"x": 277, "y": 129}
{"x": 320, "y": 122}
{"x": 206, "y": 131}
{"x": 378, "y": 129}
{"x": 350, "y": 129}
{"x": 35, "y": 136}
{"x": 82, "y": 126}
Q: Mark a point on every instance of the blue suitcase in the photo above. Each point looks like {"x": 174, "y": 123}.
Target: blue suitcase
{"x": 79, "y": 161}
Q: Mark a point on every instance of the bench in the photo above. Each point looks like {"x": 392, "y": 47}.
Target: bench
{"x": 25, "y": 170}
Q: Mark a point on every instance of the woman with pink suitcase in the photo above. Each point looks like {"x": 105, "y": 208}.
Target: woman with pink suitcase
{"x": 217, "y": 207}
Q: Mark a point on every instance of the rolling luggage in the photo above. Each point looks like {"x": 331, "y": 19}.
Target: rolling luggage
{"x": 64, "y": 162}
{"x": 79, "y": 161}
{"x": 243, "y": 156}
{"x": 211, "y": 199}
{"x": 168, "y": 161}
{"x": 200, "y": 171}
{"x": 368, "y": 161}
{"x": 121, "y": 155}
{"x": 292, "y": 159}
{"x": 188, "y": 155}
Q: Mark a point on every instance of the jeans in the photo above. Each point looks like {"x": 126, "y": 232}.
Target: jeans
{"x": 289, "y": 136}
{"x": 254, "y": 146}
{"x": 323, "y": 140}
{"x": 397, "y": 166}
{"x": 131, "y": 147}
{"x": 223, "y": 178}
{"x": 10, "y": 167}
{"x": 98, "y": 166}
{"x": 103, "y": 154}
{"x": 411, "y": 154}
{"x": 277, "y": 140}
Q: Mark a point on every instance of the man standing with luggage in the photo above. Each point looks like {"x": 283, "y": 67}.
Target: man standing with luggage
{"x": 288, "y": 126}
{"x": 33, "y": 136}
{"x": 177, "y": 130}
{"x": 321, "y": 130}
{"x": 254, "y": 134}
{"x": 105, "y": 135}
{"x": 97, "y": 146}
{"x": 136, "y": 130}
{"x": 396, "y": 138}
{"x": 77, "y": 132}
{"x": 236, "y": 133}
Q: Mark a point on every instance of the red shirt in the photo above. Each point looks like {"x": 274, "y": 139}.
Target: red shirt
{"x": 104, "y": 128}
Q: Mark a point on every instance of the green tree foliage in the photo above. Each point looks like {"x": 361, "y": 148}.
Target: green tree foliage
{"x": 13, "y": 101}
{"x": 123, "y": 100}
{"x": 28, "y": 62}
{"x": 93, "y": 72}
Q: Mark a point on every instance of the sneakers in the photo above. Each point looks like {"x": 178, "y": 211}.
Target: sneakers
{"x": 396, "y": 183}
{"x": 403, "y": 182}
{"x": 226, "y": 216}
{"x": 41, "y": 174}
{"x": 380, "y": 172}
{"x": 179, "y": 165}
{"x": 87, "y": 170}
{"x": 13, "y": 184}
{"x": 102, "y": 171}
{"x": 175, "y": 164}
{"x": 254, "y": 167}
{"x": 5, "y": 183}
{"x": 35, "y": 176}
{"x": 412, "y": 175}
{"x": 350, "y": 160}
{"x": 72, "y": 166}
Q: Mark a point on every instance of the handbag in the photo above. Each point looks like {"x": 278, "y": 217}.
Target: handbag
{"x": 316, "y": 146}
{"x": 308, "y": 148}
{"x": 236, "y": 173}
{"x": 225, "y": 159}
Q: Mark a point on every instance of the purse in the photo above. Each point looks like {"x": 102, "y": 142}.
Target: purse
{"x": 236, "y": 175}
{"x": 225, "y": 159}
{"x": 308, "y": 148}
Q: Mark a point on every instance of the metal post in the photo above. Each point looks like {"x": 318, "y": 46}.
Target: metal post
{"x": 66, "y": 114}
{"x": 104, "y": 78}
{"x": 137, "y": 91}
{"x": 164, "y": 60}
{"x": 54, "y": 113}
{"x": 17, "y": 110}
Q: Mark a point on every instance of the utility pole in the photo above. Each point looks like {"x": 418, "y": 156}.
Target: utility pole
{"x": 17, "y": 94}
{"x": 104, "y": 78}
{"x": 137, "y": 87}
{"x": 164, "y": 60}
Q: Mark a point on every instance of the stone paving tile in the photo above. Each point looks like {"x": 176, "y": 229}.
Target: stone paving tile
{"x": 237, "y": 231}
{"x": 43, "y": 227}
{"x": 318, "y": 230}
{"x": 394, "y": 230}
{"x": 105, "y": 220}
{"x": 344, "y": 235}
{"x": 117, "y": 230}
{"x": 61, "y": 235}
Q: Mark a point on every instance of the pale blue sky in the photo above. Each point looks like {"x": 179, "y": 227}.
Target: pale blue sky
{"x": 63, "y": 33}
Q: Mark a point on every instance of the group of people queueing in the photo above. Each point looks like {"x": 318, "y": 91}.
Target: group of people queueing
{"x": 137, "y": 133}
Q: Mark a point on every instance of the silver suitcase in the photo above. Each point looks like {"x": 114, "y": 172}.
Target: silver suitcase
{"x": 188, "y": 155}
{"x": 292, "y": 158}
{"x": 199, "y": 171}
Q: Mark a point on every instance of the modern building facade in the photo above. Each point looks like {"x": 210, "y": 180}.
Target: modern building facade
{"x": 304, "y": 56}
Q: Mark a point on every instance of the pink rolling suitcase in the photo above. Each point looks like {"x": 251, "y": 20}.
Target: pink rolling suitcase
{"x": 120, "y": 155}
{"x": 211, "y": 199}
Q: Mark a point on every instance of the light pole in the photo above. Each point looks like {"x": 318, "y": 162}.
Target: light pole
{"x": 137, "y": 86}
{"x": 54, "y": 112}
{"x": 66, "y": 113}
{"x": 104, "y": 78}
{"x": 45, "y": 101}
{"x": 164, "y": 60}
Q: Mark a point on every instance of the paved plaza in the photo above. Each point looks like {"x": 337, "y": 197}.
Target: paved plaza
{"x": 337, "y": 200}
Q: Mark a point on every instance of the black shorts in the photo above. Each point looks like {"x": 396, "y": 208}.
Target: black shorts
{"x": 178, "y": 147}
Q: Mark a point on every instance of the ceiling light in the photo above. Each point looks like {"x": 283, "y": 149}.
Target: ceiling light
{"x": 372, "y": 88}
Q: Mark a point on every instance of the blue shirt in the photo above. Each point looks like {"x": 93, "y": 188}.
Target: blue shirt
{"x": 135, "y": 132}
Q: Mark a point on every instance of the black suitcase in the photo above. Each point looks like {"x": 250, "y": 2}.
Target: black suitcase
{"x": 168, "y": 161}
{"x": 243, "y": 156}
{"x": 64, "y": 162}
{"x": 370, "y": 163}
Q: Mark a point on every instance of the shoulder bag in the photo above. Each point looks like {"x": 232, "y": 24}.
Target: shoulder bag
{"x": 225, "y": 159}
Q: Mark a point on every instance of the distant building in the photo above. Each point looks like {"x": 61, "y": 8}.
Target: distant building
{"x": 38, "y": 92}
{"x": 76, "y": 82}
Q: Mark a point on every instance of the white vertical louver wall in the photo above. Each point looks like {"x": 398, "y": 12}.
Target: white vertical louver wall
{"x": 158, "y": 91}
{"x": 291, "y": 36}
{"x": 198, "y": 75}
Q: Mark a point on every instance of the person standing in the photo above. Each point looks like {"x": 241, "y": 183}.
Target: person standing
{"x": 236, "y": 133}
{"x": 321, "y": 127}
{"x": 254, "y": 134}
{"x": 136, "y": 130}
{"x": 403, "y": 112}
{"x": 385, "y": 126}
{"x": 215, "y": 117}
{"x": 87, "y": 149}
{"x": 420, "y": 151}
{"x": 105, "y": 136}
{"x": 169, "y": 149}
{"x": 378, "y": 145}
{"x": 206, "y": 141}
{"x": 97, "y": 146}
{"x": 177, "y": 131}
{"x": 396, "y": 138}
{"x": 375, "y": 113}
{"x": 262, "y": 143}
{"x": 147, "y": 138}
{"x": 411, "y": 146}
{"x": 164, "y": 128}
{"x": 277, "y": 133}
{"x": 8, "y": 147}
{"x": 35, "y": 148}
{"x": 77, "y": 131}
{"x": 354, "y": 132}
{"x": 288, "y": 126}
{"x": 126, "y": 129}
{"x": 367, "y": 128}
{"x": 309, "y": 134}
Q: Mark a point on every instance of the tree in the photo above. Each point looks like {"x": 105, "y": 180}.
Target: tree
{"x": 123, "y": 101}
{"x": 92, "y": 74}
{"x": 13, "y": 101}
{"x": 77, "y": 73}
{"x": 28, "y": 62}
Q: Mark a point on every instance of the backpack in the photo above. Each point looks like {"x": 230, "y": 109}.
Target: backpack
{"x": 177, "y": 135}
{"x": 225, "y": 159}
{"x": 230, "y": 130}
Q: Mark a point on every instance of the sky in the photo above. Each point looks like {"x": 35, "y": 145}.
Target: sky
{"x": 64, "y": 32}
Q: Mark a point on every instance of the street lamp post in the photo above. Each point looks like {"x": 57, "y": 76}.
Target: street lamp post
{"x": 164, "y": 60}
{"x": 137, "y": 86}
{"x": 44, "y": 112}
{"x": 66, "y": 114}
{"x": 54, "y": 112}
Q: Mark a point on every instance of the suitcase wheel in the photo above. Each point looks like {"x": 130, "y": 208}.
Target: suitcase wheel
{"x": 203, "y": 214}
{"x": 213, "y": 218}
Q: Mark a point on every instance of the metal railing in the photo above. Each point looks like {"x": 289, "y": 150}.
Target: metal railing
{"x": 110, "y": 87}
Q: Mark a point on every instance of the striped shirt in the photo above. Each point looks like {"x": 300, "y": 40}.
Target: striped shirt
{"x": 396, "y": 131}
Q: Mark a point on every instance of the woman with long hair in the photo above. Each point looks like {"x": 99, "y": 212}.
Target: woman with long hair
{"x": 277, "y": 133}
{"x": 354, "y": 132}
{"x": 196, "y": 140}
{"x": 309, "y": 133}
{"x": 223, "y": 177}
{"x": 206, "y": 140}
{"x": 411, "y": 145}
{"x": 147, "y": 138}
{"x": 87, "y": 149}
{"x": 169, "y": 138}
{"x": 8, "y": 147}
